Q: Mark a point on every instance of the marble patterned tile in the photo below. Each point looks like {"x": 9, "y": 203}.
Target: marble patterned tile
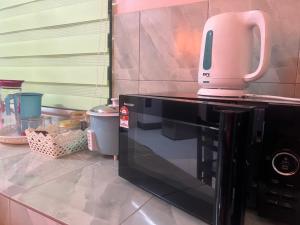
{"x": 89, "y": 196}
{"x": 159, "y": 212}
{"x": 12, "y": 150}
{"x": 286, "y": 90}
{"x": 285, "y": 28}
{"x": 21, "y": 215}
{"x": 21, "y": 172}
{"x": 126, "y": 46}
{"x": 285, "y": 24}
{"x": 125, "y": 87}
{"x": 147, "y": 87}
{"x": 221, "y": 6}
{"x": 4, "y": 210}
{"x": 298, "y": 73}
{"x": 297, "y": 91}
{"x": 170, "y": 42}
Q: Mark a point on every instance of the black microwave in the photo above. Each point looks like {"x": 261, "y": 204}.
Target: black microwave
{"x": 220, "y": 160}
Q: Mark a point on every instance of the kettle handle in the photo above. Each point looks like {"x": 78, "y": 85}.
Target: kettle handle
{"x": 260, "y": 19}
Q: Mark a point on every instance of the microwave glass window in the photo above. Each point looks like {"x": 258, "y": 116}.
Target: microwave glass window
{"x": 182, "y": 155}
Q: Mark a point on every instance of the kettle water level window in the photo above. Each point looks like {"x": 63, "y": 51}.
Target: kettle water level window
{"x": 59, "y": 48}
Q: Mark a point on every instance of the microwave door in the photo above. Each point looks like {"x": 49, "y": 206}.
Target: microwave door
{"x": 231, "y": 172}
{"x": 183, "y": 152}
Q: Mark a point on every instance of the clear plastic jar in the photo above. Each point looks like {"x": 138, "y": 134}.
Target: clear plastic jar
{"x": 8, "y": 87}
{"x": 68, "y": 125}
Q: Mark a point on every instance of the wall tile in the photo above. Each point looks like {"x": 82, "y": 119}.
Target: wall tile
{"x": 170, "y": 42}
{"x": 126, "y": 46}
{"x": 285, "y": 22}
{"x": 286, "y": 90}
{"x": 147, "y": 87}
{"x": 140, "y": 5}
{"x": 221, "y": 6}
{"x": 4, "y": 211}
{"x": 161, "y": 61}
{"x": 298, "y": 74}
{"x": 21, "y": 215}
{"x": 297, "y": 91}
{"x": 285, "y": 27}
{"x": 125, "y": 87}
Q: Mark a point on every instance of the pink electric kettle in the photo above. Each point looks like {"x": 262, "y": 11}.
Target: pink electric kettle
{"x": 226, "y": 52}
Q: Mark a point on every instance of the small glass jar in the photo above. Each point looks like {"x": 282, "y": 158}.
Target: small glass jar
{"x": 78, "y": 115}
{"x": 32, "y": 123}
{"x": 68, "y": 125}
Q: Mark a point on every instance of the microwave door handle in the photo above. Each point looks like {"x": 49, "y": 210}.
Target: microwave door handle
{"x": 222, "y": 207}
{"x": 226, "y": 178}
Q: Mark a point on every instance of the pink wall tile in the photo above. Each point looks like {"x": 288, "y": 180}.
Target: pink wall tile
{"x": 125, "y": 6}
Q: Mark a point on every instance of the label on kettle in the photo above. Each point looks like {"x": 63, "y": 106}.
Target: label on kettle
{"x": 124, "y": 117}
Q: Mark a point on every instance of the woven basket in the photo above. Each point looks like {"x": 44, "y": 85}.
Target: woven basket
{"x": 56, "y": 145}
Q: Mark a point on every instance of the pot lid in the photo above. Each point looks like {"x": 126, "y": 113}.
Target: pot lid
{"x": 103, "y": 110}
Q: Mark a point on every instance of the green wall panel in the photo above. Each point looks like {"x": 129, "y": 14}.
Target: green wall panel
{"x": 87, "y": 28}
{"x": 60, "y": 49}
{"x": 72, "y": 102}
{"x": 76, "y": 75}
{"x": 92, "y": 91}
{"x": 10, "y": 3}
{"x": 85, "y": 44}
{"x": 57, "y": 60}
{"x": 35, "y": 6}
{"x": 76, "y": 13}
{"x": 72, "y": 96}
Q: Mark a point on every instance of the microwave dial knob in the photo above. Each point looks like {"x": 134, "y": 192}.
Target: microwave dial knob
{"x": 285, "y": 163}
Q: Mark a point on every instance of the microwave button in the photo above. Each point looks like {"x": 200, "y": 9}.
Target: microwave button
{"x": 275, "y": 181}
{"x": 272, "y": 201}
{"x": 273, "y": 192}
{"x": 285, "y": 205}
{"x": 285, "y": 163}
{"x": 290, "y": 186}
{"x": 288, "y": 195}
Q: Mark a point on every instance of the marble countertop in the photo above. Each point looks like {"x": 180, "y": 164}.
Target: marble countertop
{"x": 81, "y": 189}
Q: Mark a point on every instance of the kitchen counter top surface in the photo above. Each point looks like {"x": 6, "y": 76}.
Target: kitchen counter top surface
{"x": 83, "y": 189}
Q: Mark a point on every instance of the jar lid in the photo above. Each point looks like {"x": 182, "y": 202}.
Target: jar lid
{"x": 103, "y": 110}
{"x": 69, "y": 124}
{"x": 11, "y": 83}
{"x": 78, "y": 115}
